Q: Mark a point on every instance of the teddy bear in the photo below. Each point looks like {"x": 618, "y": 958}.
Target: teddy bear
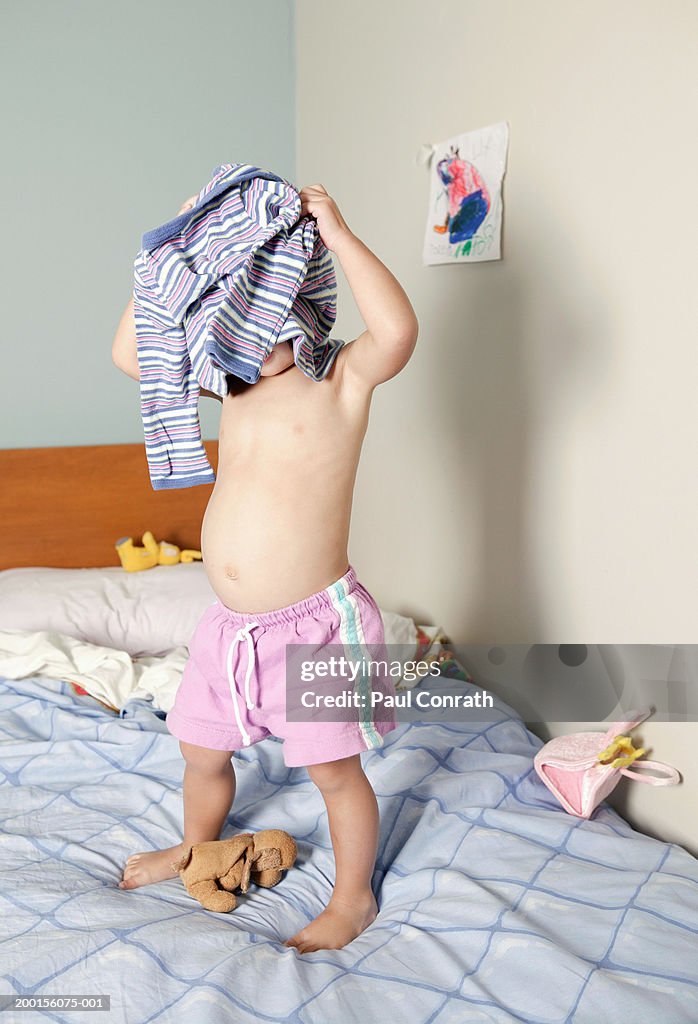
{"x": 212, "y": 871}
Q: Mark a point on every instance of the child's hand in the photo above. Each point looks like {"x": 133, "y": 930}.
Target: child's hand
{"x": 316, "y": 203}
{"x": 187, "y": 204}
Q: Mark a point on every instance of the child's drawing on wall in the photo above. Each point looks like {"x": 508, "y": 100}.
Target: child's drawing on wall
{"x": 464, "y": 222}
{"x": 467, "y": 196}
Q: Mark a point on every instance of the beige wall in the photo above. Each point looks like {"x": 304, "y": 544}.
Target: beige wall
{"x": 531, "y": 476}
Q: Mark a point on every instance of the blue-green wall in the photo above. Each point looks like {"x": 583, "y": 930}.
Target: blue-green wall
{"x": 114, "y": 114}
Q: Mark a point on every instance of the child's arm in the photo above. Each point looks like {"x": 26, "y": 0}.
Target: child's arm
{"x": 124, "y": 352}
{"x": 123, "y": 348}
{"x": 386, "y": 345}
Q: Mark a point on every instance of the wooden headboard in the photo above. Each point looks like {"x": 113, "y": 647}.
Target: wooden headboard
{"x": 66, "y": 507}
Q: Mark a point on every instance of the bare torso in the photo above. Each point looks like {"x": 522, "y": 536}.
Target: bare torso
{"x": 277, "y": 524}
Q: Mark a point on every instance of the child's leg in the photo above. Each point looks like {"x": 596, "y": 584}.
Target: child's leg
{"x": 352, "y": 813}
{"x": 209, "y": 790}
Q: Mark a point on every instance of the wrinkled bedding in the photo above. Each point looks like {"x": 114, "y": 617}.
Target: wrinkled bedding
{"x": 495, "y": 905}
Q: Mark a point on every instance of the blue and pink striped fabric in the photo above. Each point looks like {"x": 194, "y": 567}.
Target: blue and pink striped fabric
{"x": 214, "y": 290}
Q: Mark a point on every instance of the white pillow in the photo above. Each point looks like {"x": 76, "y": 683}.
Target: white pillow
{"x": 143, "y": 613}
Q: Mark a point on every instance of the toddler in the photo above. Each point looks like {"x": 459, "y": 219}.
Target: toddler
{"x": 274, "y": 543}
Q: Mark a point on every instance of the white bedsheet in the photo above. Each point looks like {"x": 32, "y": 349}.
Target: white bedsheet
{"x": 109, "y": 675}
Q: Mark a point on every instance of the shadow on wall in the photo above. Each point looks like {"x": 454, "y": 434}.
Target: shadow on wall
{"x": 577, "y": 684}
{"x": 535, "y": 343}
{"x": 568, "y": 688}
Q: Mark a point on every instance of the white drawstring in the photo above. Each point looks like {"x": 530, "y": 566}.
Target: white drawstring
{"x": 243, "y": 633}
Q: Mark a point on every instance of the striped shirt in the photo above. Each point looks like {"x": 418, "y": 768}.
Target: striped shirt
{"x": 214, "y": 290}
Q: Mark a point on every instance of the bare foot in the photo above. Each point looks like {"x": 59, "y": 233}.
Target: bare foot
{"x": 337, "y": 925}
{"x": 146, "y": 868}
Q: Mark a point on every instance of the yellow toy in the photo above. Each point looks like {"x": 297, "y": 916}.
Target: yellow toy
{"x": 621, "y": 752}
{"x": 133, "y": 558}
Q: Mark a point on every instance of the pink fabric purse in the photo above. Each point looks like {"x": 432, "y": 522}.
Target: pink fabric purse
{"x": 581, "y": 769}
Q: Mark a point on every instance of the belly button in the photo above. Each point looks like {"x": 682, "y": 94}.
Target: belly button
{"x": 230, "y": 572}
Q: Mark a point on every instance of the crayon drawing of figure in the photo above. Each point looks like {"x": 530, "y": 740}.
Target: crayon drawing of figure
{"x": 467, "y": 195}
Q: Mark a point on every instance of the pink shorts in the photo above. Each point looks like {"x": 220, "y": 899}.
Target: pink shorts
{"x": 233, "y": 690}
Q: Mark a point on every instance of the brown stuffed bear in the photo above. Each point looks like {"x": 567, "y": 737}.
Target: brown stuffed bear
{"x": 212, "y": 871}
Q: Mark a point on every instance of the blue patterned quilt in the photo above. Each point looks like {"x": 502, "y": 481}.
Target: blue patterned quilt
{"x": 495, "y": 905}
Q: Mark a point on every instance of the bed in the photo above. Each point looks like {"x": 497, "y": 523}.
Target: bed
{"x": 495, "y": 905}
